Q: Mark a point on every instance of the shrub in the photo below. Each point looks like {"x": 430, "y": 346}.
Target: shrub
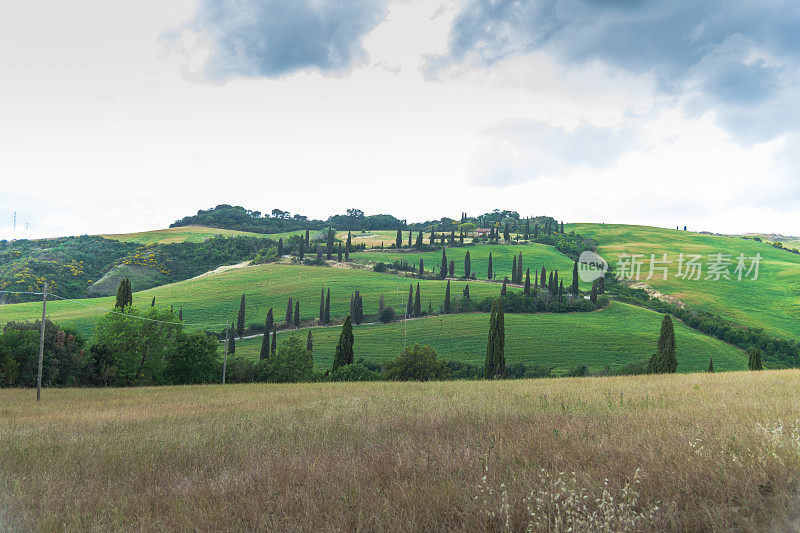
{"x": 416, "y": 363}
{"x": 353, "y": 372}
{"x": 387, "y": 315}
{"x": 380, "y": 267}
{"x": 291, "y": 363}
{"x": 241, "y": 370}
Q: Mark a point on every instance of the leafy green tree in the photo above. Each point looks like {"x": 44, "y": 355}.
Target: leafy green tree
{"x": 664, "y": 361}
{"x": 447, "y": 298}
{"x": 465, "y": 293}
{"x": 329, "y": 247}
{"x": 280, "y": 247}
{"x": 593, "y": 294}
{"x": 443, "y": 269}
{"x": 574, "y": 289}
{"x": 289, "y": 310}
{"x": 344, "y": 349}
{"x": 489, "y": 268}
{"x": 328, "y": 307}
{"x": 274, "y": 339}
{"x": 240, "y": 319}
{"x": 506, "y": 235}
{"x": 416, "y": 363}
{"x": 399, "y": 239}
{"x": 527, "y": 290}
{"x": 417, "y": 303}
{"x": 421, "y": 268}
{"x": 754, "y": 359}
{"x": 310, "y": 342}
{"x": 467, "y": 265}
{"x": 297, "y": 314}
{"x": 194, "y": 358}
{"x": 124, "y": 294}
{"x": 291, "y": 364}
{"x": 495, "y": 348}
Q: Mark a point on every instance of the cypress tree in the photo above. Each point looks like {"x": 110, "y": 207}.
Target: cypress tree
{"x": 398, "y": 241}
{"x": 593, "y": 294}
{"x": 309, "y": 342}
{"x": 280, "y": 247}
{"x": 495, "y": 348}
{"x": 433, "y": 238}
{"x": 489, "y": 269}
{"x": 322, "y": 306}
{"x": 466, "y": 291}
{"x": 527, "y": 228}
{"x": 536, "y": 231}
{"x": 467, "y": 265}
{"x": 359, "y": 308}
{"x": 419, "y": 240}
{"x": 339, "y": 253}
{"x": 268, "y": 324}
{"x": 754, "y": 359}
{"x": 180, "y": 315}
{"x": 543, "y": 278}
{"x": 153, "y": 303}
{"x": 328, "y": 307}
{"x": 514, "y": 271}
{"x": 289, "y": 309}
{"x": 562, "y": 226}
{"x": 503, "y": 290}
{"x": 302, "y": 249}
{"x": 297, "y": 314}
{"x": 535, "y": 279}
{"x": 410, "y": 304}
{"x": 664, "y": 361}
{"x": 447, "y": 298}
{"x": 409, "y": 238}
{"x": 451, "y": 270}
{"x": 231, "y": 342}
{"x": 550, "y": 286}
{"x": 240, "y": 319}
{"x": 348, "y": 248}
{"x": 555, "y": 279}
{"x": 329, "y": 251}
{"x": 506, "y": 235}
{"x": 710, "y": 365}
{"x": 417, "y": 303}
{"x": 308, "y": 239}
{"x": 274, "y": 346}
{"x": 574, "y": 289}
{"x": 319, "y": 254}
{"x": 122, "y": 295}
{"x": 344, "y": 349}
{"x": 527, "y": 290}
{"x": 421, "y": 268}
{"x": 561, "y": 291}
{"x": 452, "y": 236}
{"x": 443, "y": 269}
{"x": 602, "y": 284}
{"x": 129, "y": 291}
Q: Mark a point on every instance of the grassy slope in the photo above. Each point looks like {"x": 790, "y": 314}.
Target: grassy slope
{"x": 215, "y": 297}
{"x": 533, "y": 255}
{"x": 175, "y": 235}
{"x": 771, "y": 302}
{"x": 398, "y": 456}
{"x": 611, "y": 337}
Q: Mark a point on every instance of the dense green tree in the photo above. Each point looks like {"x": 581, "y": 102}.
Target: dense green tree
{"x": 399, "y": 239}
{"x": 489, "y": 268}
{"x": 291, "y": 364}
{"x": 193, "y": 359}
{"x": 466, "y": 292}
{"x": 339, "y": 252}
{"x": 421, "y": 268}
{"x": 536, "y": 231}
{"x": 543, "y": 278}
{"x": 467, "y": 265}
{"x": 297, "y": 314}
{"x": 664, "y": 361}
{"x": 274, "y": 339}
{"x": 310, "y": 342}
{"x": 447, "y": 298}
{"x": 410, "y": 304}
{"x": 602, "y": 285}
{"x": 519, "y": 269}
{"x": 280, "y": 247}
{"x": 231, "y": 340}
{"x": 419, "y": 240}
{"x": 417, "y": 303}
{"x": 328, "y": 307}
{"x": 433, "y": 238}
{"x": 240, "y": 319}
{"x": 506, "y": 234}
{"x": 308, "y": 239}
{"x": 344, "y": 349}
{"x": 416, "y": 363}
{"x": 710, "y": 365}
{"x": 322, "y": 306}
{"x": 180, "y": 315}
{"x": 514, "y": 271}
{"x": 124, "y": 294}
{"x": 451, "y": 268}
{"x": 289, "y": 312}
{"x": 527, "y": 290}
{"x": 574, "y": 289}
{"x": 409, "y": 238}
{"x": 503, "y": 289}
{"x": 443, "y": 268}
{"x": 268, "y": 323}
{"x": 593, "y": 294}
{"x": 495, "y": 348}
{"x": 301, "y": 250}
{"x": 348, "y": 247}
{"x": 754, "y": 359}
{"x": 561, "y": 291}
{"x": 329, "y": 247}
{"x": 153, "y": 303}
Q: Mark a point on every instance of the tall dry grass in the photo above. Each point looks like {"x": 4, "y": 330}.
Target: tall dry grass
{"x": 689, "y": 452}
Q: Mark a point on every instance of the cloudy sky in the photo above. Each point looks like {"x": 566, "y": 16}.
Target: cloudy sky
{"x": 120, "y": 117}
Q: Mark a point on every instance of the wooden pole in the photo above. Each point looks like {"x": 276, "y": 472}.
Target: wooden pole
{"x": 225, "y": 358}
{"x": 41, "y": 345}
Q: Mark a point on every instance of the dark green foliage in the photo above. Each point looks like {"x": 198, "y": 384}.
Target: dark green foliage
{"x": 297, "y": 314}
{"x": 124, "y": 294}
{"x": 310, "y": 342}
{"x": 467, "y": 266}
{"x": 328, "y": 307}
{"x": 543, "y": 278}
{"x": 322, "y": 306}
{"x": 64, "y": 361}
{"x": 292, "y": 363}
{"x": 268, "y": 324}
{"x": 754, "y": 359}
{"x": 339, "y": 252}
{"x": 398, "y": 242}
{"x": 506, "y": 235}
{"x": 231, "y": 341}
{"x": 274, "y": 340}
{"x": 514, "y": 271}
{"x": 421, "y": 268}
{"x": 238, "y": 218}
{"x": 357, "y": 307}
{"x": 495, "y": 348}
{"x": 451, "y": 268}
{"x": 574, "y": 289}
{"x": 348, "y": 247}
{"x": 489, "y": 268}
{"x": 344, "y": 349}
{"x": 447, "y": 309}
{"x": 289, "y": 312}
{"x": 410, "y": 304}
{"x": 466, "y": 291}
{"x": 153, "y": 303}
{"x": 409, "y": 238}
{"x": 280, "y": 247}
{"x": 519, "y": 269}
{"x": 527, "y": 290}
{"x": 180, "y": 315}
{"x": 353, "y": 372}
{"x": 417, "y": 303}
{"x": 240, "y": 319}
{"x": 443, "y": 268}
{"x": 192, "y": 359}
{"x": 710, "y": 365}
{"x": 386, "y": 315}
{"x": 329, "y": 245}
{"x": 593, "y": 294}
{"x": 503, "y": 289}
{"x": 419, "y": 240}
{"x": 416, "y": 363}
{"x": 664, "y": 361}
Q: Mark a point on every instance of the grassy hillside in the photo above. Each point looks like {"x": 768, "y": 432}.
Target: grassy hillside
{"x": 611, "y": 337}
{"x": 180, "y": 234}
{"x": 771, "y": 302}
{"x": 215, "y": 297}
{"x": 533, "y": 255}
{"x": 701, "y": 452}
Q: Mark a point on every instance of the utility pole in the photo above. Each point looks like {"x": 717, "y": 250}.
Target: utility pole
{"x": 41, "y": 345}
{"x": 225, "y": 358}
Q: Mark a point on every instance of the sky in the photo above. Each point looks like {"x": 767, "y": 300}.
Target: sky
{"x": 122, "y": 117}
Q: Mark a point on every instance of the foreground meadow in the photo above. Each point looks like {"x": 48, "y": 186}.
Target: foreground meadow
{"x": 679, "y": 452}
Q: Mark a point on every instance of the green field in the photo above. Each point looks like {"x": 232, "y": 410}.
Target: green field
{"x": 610, "y": 337}
{"x": 213, "y": 298}
{"x": 771, "y": 302}
{"x": 534, "y": 256}
{"x": 179, "y": 234}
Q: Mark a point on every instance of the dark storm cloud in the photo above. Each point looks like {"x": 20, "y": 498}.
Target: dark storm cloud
{"x": 272, "y": 38}
{"x": 739, "y": 58}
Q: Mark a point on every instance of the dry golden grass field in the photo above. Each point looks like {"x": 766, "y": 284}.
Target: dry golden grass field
{"x": 692, "y": 452}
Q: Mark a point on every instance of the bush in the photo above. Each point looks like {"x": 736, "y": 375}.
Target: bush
{"x": 241, "y": 370}
{"x": 387, "y": 315}
{"x": 459, "y": 370}
{"x": 290, "y": 364}
{"x": 416, "y": 363}
{"x": 353, "y": 372}
{"x": 380, "y": 267}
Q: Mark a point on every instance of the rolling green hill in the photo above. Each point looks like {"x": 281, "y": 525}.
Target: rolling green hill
{"x": 771, "y": 302}
{"x": 213, "y": 298}
{"x": 186, "y": 234}
{"x": 611, "y": 337}
{"x": 533, "y": 255}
